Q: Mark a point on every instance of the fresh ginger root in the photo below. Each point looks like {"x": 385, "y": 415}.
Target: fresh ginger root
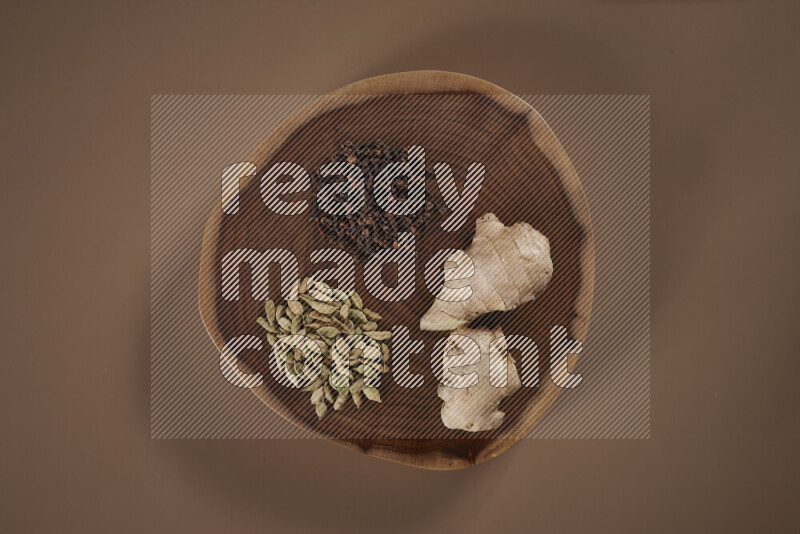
{"x": 512, "y": 267}
{"x": 475, "y": 408}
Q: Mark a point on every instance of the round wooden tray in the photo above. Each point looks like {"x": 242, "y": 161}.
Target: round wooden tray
{"x": 458, "y": 119}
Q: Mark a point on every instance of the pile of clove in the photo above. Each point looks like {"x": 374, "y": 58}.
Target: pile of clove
{"x": 372, "y": 229}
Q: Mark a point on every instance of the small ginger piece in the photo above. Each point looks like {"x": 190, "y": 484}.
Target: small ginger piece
{"x": 512, "y": 267}
{"x": 475, "y": 408}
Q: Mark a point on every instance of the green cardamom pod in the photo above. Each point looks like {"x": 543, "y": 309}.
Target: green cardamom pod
{"x": 357, "y": 316}
{"x": 321, "y": 307}
{"x": 371, "y": 315}
{"x": 269, "y": 309}
{"x": 372, "y": 394}
{"x": 285, "y": 323}
{"x": 379, "y": 335}
{"x": 340, "y": 400}
{"x": 328, "y": 392}
{"x": 314, "y": 386}
{"x": 357, "y": 386}
{"x": 295, "y": 307}
{"x": 328, "y": 331}
{"x": 357, "y": 399}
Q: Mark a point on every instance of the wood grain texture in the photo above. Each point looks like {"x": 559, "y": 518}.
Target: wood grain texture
{"x": 529, "y": 178}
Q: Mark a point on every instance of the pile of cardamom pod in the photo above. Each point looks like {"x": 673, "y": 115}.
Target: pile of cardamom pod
{"x": 351, "y": 354}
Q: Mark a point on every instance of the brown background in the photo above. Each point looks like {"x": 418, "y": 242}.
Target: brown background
{"x": 77, "y": 81}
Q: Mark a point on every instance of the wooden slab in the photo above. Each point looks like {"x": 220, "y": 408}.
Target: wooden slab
{"x": 458, "y": 119}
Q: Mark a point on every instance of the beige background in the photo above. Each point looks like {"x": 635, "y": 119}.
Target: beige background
{"x": 77, "y": 81}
